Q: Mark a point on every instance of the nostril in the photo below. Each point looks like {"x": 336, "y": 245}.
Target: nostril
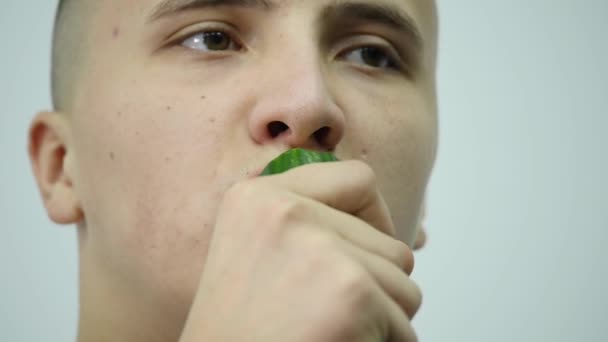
{"x": 321, "y": 135}
{"x": 275, "y": 128}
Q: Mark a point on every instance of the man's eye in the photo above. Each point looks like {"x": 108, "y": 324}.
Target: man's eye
{"x": 210, "y": 41}
{"x": 372, "y": 56}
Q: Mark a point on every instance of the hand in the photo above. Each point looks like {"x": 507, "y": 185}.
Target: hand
{"x": 306, "y": 255}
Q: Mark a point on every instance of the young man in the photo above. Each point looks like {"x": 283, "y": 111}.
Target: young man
{"x": 165, "y": 113}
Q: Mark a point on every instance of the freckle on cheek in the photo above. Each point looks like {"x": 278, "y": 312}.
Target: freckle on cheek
{"x": 115, "y": 32}
{"x": 112, "y": 156}
{"x": 212, "y": 119}
{"x": 364, "y": 153}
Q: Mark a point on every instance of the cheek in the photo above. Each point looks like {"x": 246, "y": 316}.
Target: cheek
{"x": 401, "y": 147}
{"x": 127, "y": 157}
{"x": 147, "y": 181}
{"x": 407, "y": 160}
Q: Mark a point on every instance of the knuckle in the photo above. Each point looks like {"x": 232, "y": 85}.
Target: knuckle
{"x": 416, "y": 299}
{"x": 318, "y": 248}
{"x": 351, "y": 293}
{"x": 365, "y": 172}
{"x": 321, "y": 242}
{"x": 278, "y": 215}
{"x": 240, "y": 191}
{"x": 268, "y": 211}
{"x": 355, "y": 281}
{"x": 350, "y": 278}
{"x": 274, "y": 206}
{"x": 401, "y": 255}
{"x": 281, "y": 210}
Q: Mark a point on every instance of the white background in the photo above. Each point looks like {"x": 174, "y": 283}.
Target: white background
{"x": 518, "y": 202}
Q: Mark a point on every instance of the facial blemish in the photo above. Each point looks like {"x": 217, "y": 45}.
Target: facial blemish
{"x": 364, "y": 153}
{"x": 112, "y": 156}
{"x": 168, "y": 108}
{"x": 203, "y": 97}
{"x": 212, "y": 119}
{"x": 115, "y": 32}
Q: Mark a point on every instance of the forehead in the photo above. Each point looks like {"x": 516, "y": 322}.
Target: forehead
{"x": 417, "y": 19}
{"x": 274, "y": 4}
{"x": 422, "y": 12}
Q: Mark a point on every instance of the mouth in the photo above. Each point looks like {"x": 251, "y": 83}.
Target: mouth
{"x": 298, "y": 157}
{"x": 257, "y": 169}
{"x": 256, "y": 172}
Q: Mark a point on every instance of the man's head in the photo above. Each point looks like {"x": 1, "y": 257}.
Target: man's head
{"x": 68, "y": 47}
{"x": 169, "y": 103}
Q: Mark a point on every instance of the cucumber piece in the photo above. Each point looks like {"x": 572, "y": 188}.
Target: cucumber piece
{"x": 294, "y": 158}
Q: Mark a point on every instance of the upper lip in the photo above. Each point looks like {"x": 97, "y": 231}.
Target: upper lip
{"x": 255, "y": 172}
{"x": 259, "y": 168}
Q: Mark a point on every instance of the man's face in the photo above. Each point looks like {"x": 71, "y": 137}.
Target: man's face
{"x": 175, "y": 107}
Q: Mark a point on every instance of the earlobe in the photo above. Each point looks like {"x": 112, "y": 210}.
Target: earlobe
{"x": 420, "y": 229}
{"x": 49, "y": 152}
{"x": 420, "y": 238}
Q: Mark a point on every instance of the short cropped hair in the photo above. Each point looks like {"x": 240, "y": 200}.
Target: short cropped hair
{"x": 68, "y": 50}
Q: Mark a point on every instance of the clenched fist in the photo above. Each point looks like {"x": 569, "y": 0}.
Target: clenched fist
{"x": 306, "y": 255}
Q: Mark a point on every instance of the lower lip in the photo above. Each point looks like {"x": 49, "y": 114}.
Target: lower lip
{"x": 255, "y": 173}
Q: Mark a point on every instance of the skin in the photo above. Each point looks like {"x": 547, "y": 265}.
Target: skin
{"x": 156, "y": 135}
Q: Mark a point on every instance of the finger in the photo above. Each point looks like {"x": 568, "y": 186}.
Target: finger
{"x": 361, "y": 234}
{"x": 398, "y": 327}
{"x": 393, "y": 281}
{"x": 348, "y": 186}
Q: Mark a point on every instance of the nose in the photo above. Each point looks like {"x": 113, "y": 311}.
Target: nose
{"x": 294, "y": 106}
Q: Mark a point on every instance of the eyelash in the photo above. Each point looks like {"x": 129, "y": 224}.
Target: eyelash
{"x": 394, "y": 62}
{"x": 210, "y": 30}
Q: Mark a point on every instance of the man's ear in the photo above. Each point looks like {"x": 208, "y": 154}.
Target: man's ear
{"x": 51, "y": 160}
{"x": 421, "y": 230}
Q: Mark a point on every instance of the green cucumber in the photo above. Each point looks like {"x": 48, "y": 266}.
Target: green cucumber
{"x": 294, "y": 158}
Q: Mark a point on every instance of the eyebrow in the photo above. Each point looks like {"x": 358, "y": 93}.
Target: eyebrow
{"x": 383, "y": 14}
{"x": 340, "y": 11}
{"x": 171, "y": 7}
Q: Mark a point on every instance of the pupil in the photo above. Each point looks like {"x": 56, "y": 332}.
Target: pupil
{"x": 216, "y": 41}
{"x": 372, "y": 56}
